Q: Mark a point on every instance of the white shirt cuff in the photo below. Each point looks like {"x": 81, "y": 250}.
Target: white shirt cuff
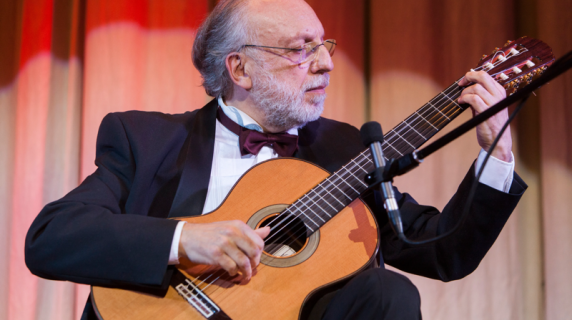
{"x": 174, "y": 255}
{"x": 497, "y": 173}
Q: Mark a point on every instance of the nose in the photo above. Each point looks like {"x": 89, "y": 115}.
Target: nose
{"x": 322, "y": 62}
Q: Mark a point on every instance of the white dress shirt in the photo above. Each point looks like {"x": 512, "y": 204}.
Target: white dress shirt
{"x": 228, "y": 166}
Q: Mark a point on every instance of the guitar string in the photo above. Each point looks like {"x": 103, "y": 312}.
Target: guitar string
{"x": 202, "y": 281}
{"x": 440, "y": 96}
{"x": 336, "y": 176}
{"x": 301, "y": 210}
{"x": 222, "y": 272}
{"x": 495, "y": 64}
{"x": 316, "y": 192}
{"x": 262, "y": 265}
{"x": 388, "y": 144}
{"x": 429, "y": 108}
{"x": 451, "y": 111}
{"x": 389, "y": 133}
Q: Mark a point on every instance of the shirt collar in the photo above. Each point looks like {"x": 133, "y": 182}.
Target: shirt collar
{"x": 243, "y": 119}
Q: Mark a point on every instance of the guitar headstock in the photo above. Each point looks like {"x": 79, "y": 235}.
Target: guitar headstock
{"x": 517, "y": 63}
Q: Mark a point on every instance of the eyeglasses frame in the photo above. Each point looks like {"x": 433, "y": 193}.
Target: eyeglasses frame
{"x": 313, "y": 50}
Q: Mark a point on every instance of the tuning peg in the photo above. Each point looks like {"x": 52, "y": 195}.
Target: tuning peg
{"x": 507, "y": 43}
{"x": 530, "y": 64}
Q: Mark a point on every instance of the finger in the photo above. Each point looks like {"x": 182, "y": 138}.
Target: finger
{"x": 476, "y": 102}
{"x": 478, "y": 90}
{"x": 464, "y": 82}
{"x": 484, "y": 79}
{"x": 242, "y": 262}
{"x": 249, "y": 245}
{"x": 250, "y": 242}
{"x": 228, "y": 264}
{"x": 263, "y": 232}
{"x": 242, "y": 237}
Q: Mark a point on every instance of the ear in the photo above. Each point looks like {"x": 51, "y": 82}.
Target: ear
{"x": 236, "y": 67}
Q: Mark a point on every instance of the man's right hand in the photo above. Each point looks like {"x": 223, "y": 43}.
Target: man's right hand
{"x": 231, "y": 245}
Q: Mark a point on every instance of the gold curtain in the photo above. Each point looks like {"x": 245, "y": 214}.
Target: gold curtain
{"x": 64, "y": 64}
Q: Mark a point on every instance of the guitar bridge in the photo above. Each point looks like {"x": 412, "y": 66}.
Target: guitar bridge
{"x": 196, "y": 297}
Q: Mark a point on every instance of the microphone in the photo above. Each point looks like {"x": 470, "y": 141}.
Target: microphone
{"x": 372, "y": 136}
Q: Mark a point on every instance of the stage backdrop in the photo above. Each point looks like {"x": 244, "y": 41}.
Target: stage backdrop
{"x": 64, "y": 64}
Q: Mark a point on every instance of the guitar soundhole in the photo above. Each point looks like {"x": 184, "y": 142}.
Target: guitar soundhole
{"x": 289, "y": 243}
{"x": 288, "y": 235}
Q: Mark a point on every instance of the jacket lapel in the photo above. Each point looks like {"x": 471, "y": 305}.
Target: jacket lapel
{"x": 193, "y": 186}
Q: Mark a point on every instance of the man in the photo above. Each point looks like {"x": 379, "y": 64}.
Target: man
{"x": 268, "y": 65}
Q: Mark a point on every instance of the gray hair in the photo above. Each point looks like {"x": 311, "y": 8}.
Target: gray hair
{"x": 224, "y": 31}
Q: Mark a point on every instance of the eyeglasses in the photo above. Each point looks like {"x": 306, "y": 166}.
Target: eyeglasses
{"x": 305, "y": 52}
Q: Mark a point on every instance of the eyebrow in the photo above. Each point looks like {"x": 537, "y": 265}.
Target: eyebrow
{"x": 306, "y": 36}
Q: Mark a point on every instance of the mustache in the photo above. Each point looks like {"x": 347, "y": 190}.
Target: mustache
{"x": 319, "y": 81}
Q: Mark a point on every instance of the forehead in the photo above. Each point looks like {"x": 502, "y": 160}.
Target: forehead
{"x": 284, "y": 22}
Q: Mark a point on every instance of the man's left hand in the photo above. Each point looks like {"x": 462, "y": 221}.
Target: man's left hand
{"x": 482, "y": 94}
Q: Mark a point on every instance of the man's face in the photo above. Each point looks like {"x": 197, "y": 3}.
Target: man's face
{"x": 289, "y": 94}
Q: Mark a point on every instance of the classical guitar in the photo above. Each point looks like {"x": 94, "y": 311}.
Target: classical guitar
{"x": 322, "y": 234}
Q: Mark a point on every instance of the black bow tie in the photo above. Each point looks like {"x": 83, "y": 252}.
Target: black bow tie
{"x": 251, "y": 141}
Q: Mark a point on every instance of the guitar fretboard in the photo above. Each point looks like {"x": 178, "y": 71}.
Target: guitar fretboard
{"x": 336, "y": 192}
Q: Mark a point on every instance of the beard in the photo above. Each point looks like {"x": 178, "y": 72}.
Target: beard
{"x": 283, "y": 106}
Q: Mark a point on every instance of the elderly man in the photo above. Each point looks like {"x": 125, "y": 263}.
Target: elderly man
{"x": 267, "y": 64}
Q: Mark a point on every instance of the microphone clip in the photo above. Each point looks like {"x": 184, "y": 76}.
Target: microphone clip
{"x": 392, "y": 168}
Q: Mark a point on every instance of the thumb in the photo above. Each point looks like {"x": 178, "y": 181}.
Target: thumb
{"x": 262, "y": 232}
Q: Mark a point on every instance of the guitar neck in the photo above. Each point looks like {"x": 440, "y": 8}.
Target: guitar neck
{"x": 513, "y": 66}
{"x": 336, "y": 192}
{"x": 424, "y": 123}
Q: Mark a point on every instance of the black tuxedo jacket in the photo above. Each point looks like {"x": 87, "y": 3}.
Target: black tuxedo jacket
{"x": 112, "y": 231}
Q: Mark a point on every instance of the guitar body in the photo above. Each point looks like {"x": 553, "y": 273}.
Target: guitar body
{"x": 280, "y": 285}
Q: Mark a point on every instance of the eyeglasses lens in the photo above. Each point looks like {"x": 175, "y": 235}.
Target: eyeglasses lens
{"x": 309, "y": 50}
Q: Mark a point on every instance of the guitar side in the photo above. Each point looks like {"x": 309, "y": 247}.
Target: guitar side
{"x": 347, "y": 244}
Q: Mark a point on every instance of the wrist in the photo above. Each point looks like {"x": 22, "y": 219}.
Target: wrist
{"x": 181, "y": 252}
{"x": 502, "y": 154}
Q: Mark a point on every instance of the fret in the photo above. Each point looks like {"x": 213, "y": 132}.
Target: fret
{"x": 328, "y": 203}
{"x": 335, "y": 186}
{"x": 358, "y": 179}
{"x": 419, "y": 122}
{"x": 422, "y": 136}
{"x": 304, "y": 214}
{"x": 345, "y": 185}
{"x": 342, "y": 190}
{"x": 344, "y": 181}
{"x": 338, "y": 200}
{"x": 438, "y": 110}
{"x": 427, "y": 121}
{"x": 315, "y": 203}
{"x": 314, "y": 212}
{"x": 412, "y": 146}
{"x": 365, "y": 171}
{"x": 394, "y": 149}
{"x": 434, "y": 117}
{"x": 450, "y": 99}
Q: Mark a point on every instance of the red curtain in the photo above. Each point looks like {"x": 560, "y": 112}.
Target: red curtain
{"x": 64, "y": 64}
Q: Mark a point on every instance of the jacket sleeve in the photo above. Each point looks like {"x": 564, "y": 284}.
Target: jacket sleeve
{"x": 458, "y": 255}
{"x": 87, "y": 237}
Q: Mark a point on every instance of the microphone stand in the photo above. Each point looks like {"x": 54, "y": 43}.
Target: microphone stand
{"x": 404, "y": 164}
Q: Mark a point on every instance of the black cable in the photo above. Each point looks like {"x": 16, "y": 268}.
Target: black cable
{"x": 473, "y": 190}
